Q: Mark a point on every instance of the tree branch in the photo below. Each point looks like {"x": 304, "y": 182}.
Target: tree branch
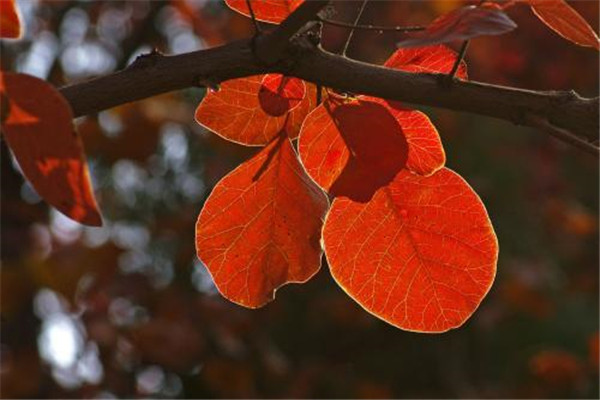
{"x": 154, "y": 74}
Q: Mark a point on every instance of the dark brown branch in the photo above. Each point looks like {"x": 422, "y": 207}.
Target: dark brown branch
{"x": 270, "y": 48}
{"x": 564, "y": 135}
{"x": 155, "y": 74}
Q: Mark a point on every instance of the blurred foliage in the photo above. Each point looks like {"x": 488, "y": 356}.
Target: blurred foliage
{"x": 127, "y": 311}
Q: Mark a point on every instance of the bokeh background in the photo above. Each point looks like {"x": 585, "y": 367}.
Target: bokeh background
{"x": 127, "y": 310}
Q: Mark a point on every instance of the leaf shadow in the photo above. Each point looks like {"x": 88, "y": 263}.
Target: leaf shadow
{"x": 377, "y": 148}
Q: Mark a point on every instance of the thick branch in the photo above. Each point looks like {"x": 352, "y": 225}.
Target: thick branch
{"x": 154, "y": 74}
{"x": 270, "y": 47}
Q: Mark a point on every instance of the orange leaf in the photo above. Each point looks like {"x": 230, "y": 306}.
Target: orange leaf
{"x": 429, "y": 59}
{"x": 272, "y": 11}
{"x": 564, "y": 20}
{"x": 425, "y": 151}
{"x": 462, "y": 24}
{"x": 421, "y": 255}
{"x": 352, "y": 147}
{"x": 37, "y": 125}
{"x": 10, "y": 23}
{"x": 261, "y": 225}
{"x": 254, "y": 110}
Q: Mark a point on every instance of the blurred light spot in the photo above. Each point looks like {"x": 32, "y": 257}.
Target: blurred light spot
{"x": 133, "y": 261}
{"x": 191, "y": 186}
{"x": 185, "y": 42}
{"x": 150, "y": 380}
{"x": 122, "y": 312}
{"x": 110, "y": 123}
{"x": 201, "y": 279}
{"x": 130, "y": 236}
{"x": 47, "y": 303}
{"x": 60, "y": 341}
{"x": 95, "y": 237}
{"x": 41, "y": 56}
{"x": 74, "y": 26}
{"x": 175, "y": 145}
{"x": 42, "y": 240}
{"x": 89, "y": 58}
{"x": 89, "y": 367}
{"x": 63, "y": 228}
{"x": 114, "y": 24}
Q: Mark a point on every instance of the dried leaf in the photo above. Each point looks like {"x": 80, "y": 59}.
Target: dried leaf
{"x": 37, "y": 125}
{"x": 462, "y": 24}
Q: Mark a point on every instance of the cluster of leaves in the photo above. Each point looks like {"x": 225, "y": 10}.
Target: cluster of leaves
{"x": 404, "y": 236}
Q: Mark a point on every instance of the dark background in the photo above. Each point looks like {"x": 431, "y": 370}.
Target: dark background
{"x": 127, "y": 311}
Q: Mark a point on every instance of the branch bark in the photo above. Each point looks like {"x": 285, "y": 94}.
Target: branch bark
{"x": 155, "y": 73}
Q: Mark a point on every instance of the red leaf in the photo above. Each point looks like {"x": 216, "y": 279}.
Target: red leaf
{"x": 462, "y": 24}
{"x": 425, "y": 151}
{"x": 254, "y": 110}
{"x": 431, "y": 59}
{"x": 10, "y": 23}
{"x": 564, "y": 20}
{"x": 352, "y": 147}
{"x": 37, "y": 125}
{"x": 261, "y": 225}
{"x": 272, "y": 11}
{"x": 279, "y": 94}
{"x": 421, "y": 255}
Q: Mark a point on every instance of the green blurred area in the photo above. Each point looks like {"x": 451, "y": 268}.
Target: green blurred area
{"x": 128, "y": 311}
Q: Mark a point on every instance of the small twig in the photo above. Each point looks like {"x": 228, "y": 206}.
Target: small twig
{"x": 254, "y": 21}
{"x": 356, "y": 21}
{"x": 459, "y": 58}
{"x": 562, "y": 134}
{"x": 372, "y": 27}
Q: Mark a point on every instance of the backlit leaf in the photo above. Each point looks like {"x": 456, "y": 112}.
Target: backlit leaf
{"x": 462, "y": 24}
{"x": 273, "y": 11}
{"x": 10, "y": 23}
{"x": 421, "y": 255}
{"x": 430, "y": 59}
{"x": 252, "y": 111}
{"x": 352, "y": 147}
{"x": 37, "y": 125}
{"x": 564, "y": 20}
{"x": 261, "y": 225}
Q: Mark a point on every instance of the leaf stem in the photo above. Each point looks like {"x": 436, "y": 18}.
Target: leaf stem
{"x": 459, "y": 59}
{"x": 253, "y": 16}
{"x": 351, "y": 34}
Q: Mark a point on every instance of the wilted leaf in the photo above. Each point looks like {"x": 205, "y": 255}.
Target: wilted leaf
{"x": 10, "y": 23}
{"x": 564, "y": 20}
{"x": 431, "y": 59}
{"x": 37, "y": 125}
{"x": 260, "y": 227}
{"x": 253, "y": 110}
{"x": 421, "y": 255}
{"x": 461, "y": 24}
{"x": 272, "y": 11}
